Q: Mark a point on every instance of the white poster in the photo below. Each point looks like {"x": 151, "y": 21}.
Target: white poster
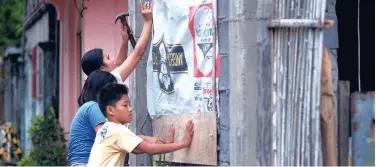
{"x": 180, "y": 64}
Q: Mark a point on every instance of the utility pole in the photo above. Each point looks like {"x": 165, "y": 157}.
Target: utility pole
{"x": 243, "y": 84}
{"x": 250, "y": 83}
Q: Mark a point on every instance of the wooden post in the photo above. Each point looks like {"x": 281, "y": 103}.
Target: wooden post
{"x": 343, "y": 122}
{"x": 327, "y": 113}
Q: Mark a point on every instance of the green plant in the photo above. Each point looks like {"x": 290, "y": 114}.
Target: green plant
{"x": 25, "y": 161}
{"x": 160, "y": 162}
{"x": 47, "y": 136}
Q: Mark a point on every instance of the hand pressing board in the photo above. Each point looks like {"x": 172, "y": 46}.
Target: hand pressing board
{"x": 203, "y": 149}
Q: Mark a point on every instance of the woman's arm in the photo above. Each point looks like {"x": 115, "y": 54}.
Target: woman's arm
{"x": 98, "y": 127}
{"x": 126, "y": 68}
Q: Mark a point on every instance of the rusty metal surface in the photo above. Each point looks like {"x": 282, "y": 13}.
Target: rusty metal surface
{"x": 296, "y": 57}
{"x": 363, "y": 128}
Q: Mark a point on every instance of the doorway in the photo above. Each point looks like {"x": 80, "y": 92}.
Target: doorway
{"x": 348, "y": 44}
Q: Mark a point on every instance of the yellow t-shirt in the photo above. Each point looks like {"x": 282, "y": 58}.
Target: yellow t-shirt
{"x": 111, "y": 144}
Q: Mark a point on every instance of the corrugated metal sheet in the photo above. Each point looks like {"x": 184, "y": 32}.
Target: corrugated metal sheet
{"x": 297, "y": 45}
{"x": 363, "y": 128}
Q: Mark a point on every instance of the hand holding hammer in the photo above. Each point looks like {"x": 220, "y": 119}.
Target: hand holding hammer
{"x": 123, "y": 19}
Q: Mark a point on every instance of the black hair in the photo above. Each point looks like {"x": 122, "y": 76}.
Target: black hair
{"x": 92, "y": 60}
{"x": 96, "y": 80}
{"x": 110, "y": 94}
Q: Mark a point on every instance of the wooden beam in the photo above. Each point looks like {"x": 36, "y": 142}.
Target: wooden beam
{"x": 343, "y": 122}
{"x": 327, "y": 113}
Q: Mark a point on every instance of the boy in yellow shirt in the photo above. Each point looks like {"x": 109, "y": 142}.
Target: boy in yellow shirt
{"x": 113, "y": 140}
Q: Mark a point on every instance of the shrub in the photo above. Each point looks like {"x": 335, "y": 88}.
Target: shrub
{"x": 49, "y": 148}
{"x": 25, "y": 161}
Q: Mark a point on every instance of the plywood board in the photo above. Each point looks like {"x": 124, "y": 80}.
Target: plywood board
{"x": 203, "y": 149}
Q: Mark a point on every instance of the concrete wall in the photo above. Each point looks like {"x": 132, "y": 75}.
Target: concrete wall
{"x": 250, "y": 83}
{"x": 224, "y": 85}
{"x": 141, "y": 123}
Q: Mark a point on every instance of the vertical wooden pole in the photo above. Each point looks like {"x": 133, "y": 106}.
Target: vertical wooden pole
{"x": 327, "y": 113}
{"x": 343, "y": 122}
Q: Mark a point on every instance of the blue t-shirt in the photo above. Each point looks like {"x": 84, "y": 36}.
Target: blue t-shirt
{"x": 82, "y": 133}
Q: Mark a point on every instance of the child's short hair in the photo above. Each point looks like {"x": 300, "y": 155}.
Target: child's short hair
{"x": 110, "y": 94}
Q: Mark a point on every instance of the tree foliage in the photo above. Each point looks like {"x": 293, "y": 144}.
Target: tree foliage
{"x": 11, "y": 20}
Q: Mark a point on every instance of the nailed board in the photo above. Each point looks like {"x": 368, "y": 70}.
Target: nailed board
{"x": 203, "y": 149}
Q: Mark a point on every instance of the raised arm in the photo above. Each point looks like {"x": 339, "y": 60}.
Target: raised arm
{"x": 123, "y": 51}
{"x": 126, "y": 68}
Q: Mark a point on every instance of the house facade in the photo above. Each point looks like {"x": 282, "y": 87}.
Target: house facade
{"x": 56, "y": 34}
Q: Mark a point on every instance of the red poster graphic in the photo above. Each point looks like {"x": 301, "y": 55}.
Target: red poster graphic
{"x": 201, "y": 27}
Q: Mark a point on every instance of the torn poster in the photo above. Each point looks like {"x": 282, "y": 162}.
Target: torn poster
{"x": 180, "y": 64}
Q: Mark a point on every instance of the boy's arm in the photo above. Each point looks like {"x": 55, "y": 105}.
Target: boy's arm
{"x": 129, "y": 142}
{"x": 135, "y": 151}
{"x": 151, "y": 139}
{"x": 126, "y": 68}
{"x": 98, "y": 127}
{"x": 151, "y": 148}
{"x": 170, "y": 137}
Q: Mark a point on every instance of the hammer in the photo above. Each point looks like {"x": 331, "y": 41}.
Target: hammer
{"x": 123, "y": 18}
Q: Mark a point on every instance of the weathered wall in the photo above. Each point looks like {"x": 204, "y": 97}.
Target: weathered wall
{"x": 252, "y": 45}
{"x": 38, "y": 32}
{"x": 363, "y": 128}
{"x": 223, "y": 85}
{"x": 264, "y": 115}
{"x": 249, "y": 82}
{"x": 249, "y": 51}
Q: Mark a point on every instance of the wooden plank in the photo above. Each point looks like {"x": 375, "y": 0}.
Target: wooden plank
{"x": 203, "y": 149}
{"x": 343, "y": 122}
{"x": 327, "y": 113}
